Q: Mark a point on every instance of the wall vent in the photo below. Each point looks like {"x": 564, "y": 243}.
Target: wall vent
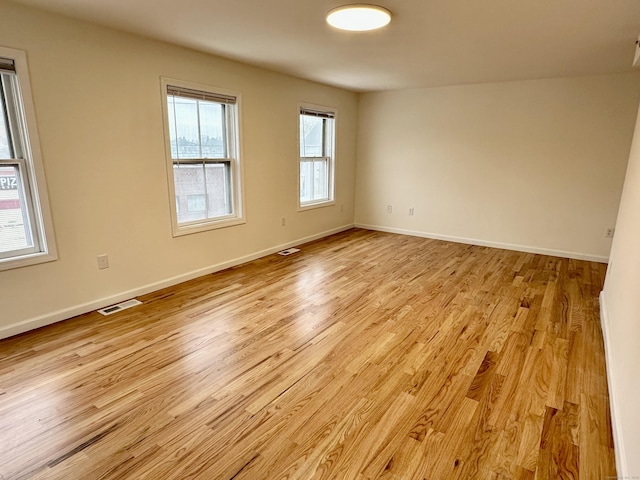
{"x": 120, "y": 306}
{"x": 288, "y": 251}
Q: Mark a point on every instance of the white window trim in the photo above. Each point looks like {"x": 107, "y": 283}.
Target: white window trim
{"x": 332, "y": 160}
{"x": 237, "y": 168}
{"x": 35, "y": 171}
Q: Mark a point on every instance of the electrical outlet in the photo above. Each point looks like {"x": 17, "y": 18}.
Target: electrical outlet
{"x": 103, "y": 261}
{"x": 341, "y": 208}
{"x": 283, "y": 222}
{"x": 609, "y": 232}
{"x": 389, "y": 208}
{"x": 411, "y": 211}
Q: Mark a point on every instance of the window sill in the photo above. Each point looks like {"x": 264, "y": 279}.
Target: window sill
{"x": 311, "y": 206}
{"x": 179, "y": 231}
{"x": 27, "y": 260}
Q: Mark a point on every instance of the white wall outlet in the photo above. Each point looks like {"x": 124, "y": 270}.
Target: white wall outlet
{"x": 609, "y": 232}
{"x": 283, "y": 222}
{"x": 103, "y": 261}
{"x": 389, "y": 208}
{"x": 411, "y": 211}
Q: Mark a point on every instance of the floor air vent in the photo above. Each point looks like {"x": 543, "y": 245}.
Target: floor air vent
{"x": 120, "y": 306}
{"x": 288, "y": 251}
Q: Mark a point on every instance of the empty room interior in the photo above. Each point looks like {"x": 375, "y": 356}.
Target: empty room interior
{"x": 256, "y": 240}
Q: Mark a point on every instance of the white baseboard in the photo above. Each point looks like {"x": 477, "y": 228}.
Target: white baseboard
{"x": 621, "y": 458}
{"x": 486, "y": 243}
{"x": 53, "y": 317}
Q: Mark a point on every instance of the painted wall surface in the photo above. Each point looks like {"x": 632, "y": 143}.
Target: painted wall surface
{"x": 622, "y": 315}
{"x": 98, "y": 106}
{"x": 537, "y": 165}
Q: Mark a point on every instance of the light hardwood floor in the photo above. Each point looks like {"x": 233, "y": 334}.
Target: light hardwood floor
{"x": 367, "y": 355}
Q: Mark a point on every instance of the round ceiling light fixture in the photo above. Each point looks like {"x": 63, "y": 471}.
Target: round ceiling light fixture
{"x": 359, "y": 17}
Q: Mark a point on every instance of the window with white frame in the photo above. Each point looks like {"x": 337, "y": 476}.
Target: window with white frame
{"x": 317, "y": 145}
{"x": 203, "y": 156}
{"x": 26, "y": 233}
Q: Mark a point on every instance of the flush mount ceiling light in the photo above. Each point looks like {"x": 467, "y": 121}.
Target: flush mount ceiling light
{"x": 359, "y": 17}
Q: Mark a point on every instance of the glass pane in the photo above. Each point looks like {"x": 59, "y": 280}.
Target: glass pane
{"x": 186, "y": 140}
{"x": 311, "y": 136}
{"x": 320, "y": 180}
{"x": 203, "y": 191}
{"x": 173, "y": 134}
{"x": 196, "y": 128}
{"x": 5, "y": 149}
{"x": 212, "y": 132}
{"x": 218, "y": 189}
{"x": 306, "y": 181}
{"x": 15, "y": 232}
{"x": 189, "y": 182}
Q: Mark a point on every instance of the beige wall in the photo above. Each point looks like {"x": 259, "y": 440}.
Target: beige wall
{"x": 536, "y": 164}
{"x": 533, "y": 165}
{"x": 98, "y": 106}
{"x": 621, "y": 319}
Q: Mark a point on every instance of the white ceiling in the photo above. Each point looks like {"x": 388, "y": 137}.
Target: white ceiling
{"x": 428, "y": 43}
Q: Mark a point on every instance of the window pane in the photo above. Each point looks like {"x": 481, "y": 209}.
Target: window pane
{"x": 173, "y": 133}
{"x": 212, "y": 132}
{"x": 189, "y": 182}
{"x": 5, "y": 150}
{"x": 218, "y": 189}
{"x": 196, "y": 128}
{"x": 311, "y": 136}
{"x": 306, "y": 181}
{"x": 202, "y": 191}
{"x": 320, "y": 180}
{"x": 15, "y": 232}
{"x": 185, "y": 142}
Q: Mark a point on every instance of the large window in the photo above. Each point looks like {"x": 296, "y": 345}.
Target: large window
{"x": 203, "y": 156}
{"x": 317, "y": 139}
{"x": 26, "y": 235}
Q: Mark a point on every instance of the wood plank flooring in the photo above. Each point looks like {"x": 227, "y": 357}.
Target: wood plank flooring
{"x": 365, "y": 356}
